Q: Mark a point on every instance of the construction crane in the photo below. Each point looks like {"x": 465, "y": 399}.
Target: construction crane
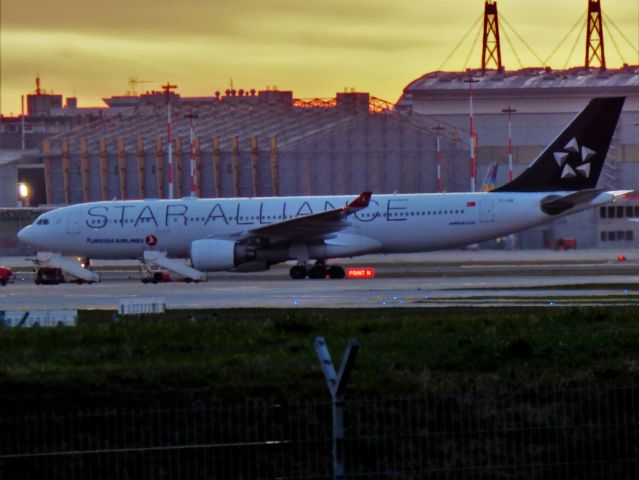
{"x": 134, "y": 83}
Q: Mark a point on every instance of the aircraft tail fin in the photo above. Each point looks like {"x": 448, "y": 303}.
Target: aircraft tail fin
{"x": 573, "y": 161}
{"x": 488, "y": 183}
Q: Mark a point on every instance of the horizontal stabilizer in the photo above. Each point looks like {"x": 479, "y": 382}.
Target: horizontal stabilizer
{"x": 555, "y": 204}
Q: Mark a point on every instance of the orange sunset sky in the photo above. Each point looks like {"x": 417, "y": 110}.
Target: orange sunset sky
{"x": 315, "y": 48}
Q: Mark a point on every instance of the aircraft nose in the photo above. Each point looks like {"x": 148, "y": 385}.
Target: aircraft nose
{"x": 26, "y": 235}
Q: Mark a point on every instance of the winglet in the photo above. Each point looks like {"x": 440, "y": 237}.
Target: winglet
{"x": 360, "y": 202}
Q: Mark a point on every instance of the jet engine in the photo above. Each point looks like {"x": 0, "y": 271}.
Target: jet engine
{"x": 218, "y": 255}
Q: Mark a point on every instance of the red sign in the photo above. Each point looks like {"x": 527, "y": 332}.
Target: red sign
{"x": 470, "y": 204}
{"x": 360, "y": 272}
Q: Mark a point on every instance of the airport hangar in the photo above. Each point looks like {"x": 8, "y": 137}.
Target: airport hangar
{"x": 264, "y": 143}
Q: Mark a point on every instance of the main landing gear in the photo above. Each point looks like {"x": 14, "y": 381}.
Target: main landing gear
{"x": 317, "y": 271}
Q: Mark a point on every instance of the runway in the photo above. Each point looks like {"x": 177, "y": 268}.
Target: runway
{"x": 543, "y": 278}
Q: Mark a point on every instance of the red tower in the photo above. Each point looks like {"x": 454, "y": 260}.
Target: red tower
{"x": 594, "y": 36}
{"x": 491, "y": 48}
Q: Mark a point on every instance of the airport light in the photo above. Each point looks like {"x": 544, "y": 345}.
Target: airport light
{"x": 509, "y": 111}
{"x": 191, "y": 116}
{"x": 438, "y": 129}
{"x": 167, "y": 90}
{"x": 473, "y": 161}
{"x": 23, "y": 143}
{"x": 24, "y": 193}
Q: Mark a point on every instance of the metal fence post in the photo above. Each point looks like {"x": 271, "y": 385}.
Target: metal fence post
{"x": 337, "y": 384}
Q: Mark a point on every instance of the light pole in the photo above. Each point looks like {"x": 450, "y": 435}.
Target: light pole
{"x": 509, "y": 111}
{"x": 438, "y": 129}
{"x": 191, "y": 116}
{"x": 23, "y": 143}
{"x": 169, "y": 144}
{"x": 473, "y": 162}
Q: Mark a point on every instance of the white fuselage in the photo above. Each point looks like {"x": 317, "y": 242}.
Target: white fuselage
{"x": 399, "y": 223}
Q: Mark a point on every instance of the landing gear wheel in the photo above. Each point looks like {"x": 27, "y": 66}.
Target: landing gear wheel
{"x": 317, "y": 272}
{"x": 298, "y": 272}
{"x": 336, "y": 272}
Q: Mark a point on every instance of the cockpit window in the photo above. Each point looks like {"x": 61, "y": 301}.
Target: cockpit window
{"x": 43, "y": 221}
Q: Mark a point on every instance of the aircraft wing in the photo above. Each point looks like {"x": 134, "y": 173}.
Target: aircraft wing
{"x": 316, "y": 225}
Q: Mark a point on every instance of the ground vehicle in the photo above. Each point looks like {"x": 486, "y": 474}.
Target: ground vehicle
{"x": 49, "y": 276}
{"x": 157, "y": 276}
{"x": 5, "y": 275}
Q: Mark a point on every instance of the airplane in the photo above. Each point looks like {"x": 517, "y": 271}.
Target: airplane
{"x": 251, "y": 234}
{"x": 488, "y": 183}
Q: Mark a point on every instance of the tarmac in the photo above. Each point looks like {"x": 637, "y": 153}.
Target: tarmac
{"x": 437, "y": 279}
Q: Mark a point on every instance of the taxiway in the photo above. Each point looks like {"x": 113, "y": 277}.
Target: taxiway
{"x": 456, "y": 278}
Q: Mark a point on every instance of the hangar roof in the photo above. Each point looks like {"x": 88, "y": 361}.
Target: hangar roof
{"x": 243, "y": 117}
{"x": 530, "y": 78}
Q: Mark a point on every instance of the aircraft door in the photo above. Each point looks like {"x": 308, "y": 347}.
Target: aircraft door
{"x": 486, "y": 213}
{"x": 73, "y": 222}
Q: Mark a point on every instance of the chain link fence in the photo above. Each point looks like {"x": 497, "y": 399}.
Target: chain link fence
{"x": 588, "y": 433}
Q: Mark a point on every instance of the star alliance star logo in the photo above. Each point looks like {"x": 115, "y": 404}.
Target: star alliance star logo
{"x": 583, "y": 165}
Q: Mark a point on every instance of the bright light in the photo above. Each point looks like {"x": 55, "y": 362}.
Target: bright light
{"x": 23, "y": 191}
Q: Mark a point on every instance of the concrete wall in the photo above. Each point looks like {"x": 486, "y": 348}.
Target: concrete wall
{"x": 8, "y": 184}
